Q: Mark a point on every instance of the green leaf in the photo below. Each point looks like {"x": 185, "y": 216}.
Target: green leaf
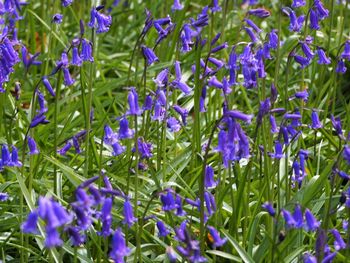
{"x": 242, "y": 253}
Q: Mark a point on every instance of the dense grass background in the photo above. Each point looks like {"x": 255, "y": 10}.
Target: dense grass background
{"x": 179, "y": 158}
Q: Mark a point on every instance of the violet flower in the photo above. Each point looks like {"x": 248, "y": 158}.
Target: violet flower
{"x": 33, "y": 149}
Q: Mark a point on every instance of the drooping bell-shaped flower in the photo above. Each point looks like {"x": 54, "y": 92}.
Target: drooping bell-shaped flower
{"x": 177, "y": 5}
{"x": 133, "y": 103}
{"x": 162, "y": 229}
{"x": 124, "y": 131}
{"x": 48, "y": 86}
{"x": 149, "y": 55}
{"x": 119, "y": 248}
{"x": 128, "y": 213}
{"x": 322, "y": 57}
{"x": 86, "y": 50}
{"x": 217, "y": 240}
{"x": 269, "y": 208}
{"x": 311, "y": 223}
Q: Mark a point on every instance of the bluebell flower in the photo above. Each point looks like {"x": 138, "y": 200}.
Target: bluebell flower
{"x": 219, "y": 47}
{"x": 252, "y": 25}
{"x": 209, "y": 203}
{"x": 298, "y": 3}
{"x": 148, "y": 103}
{"x": 215, "y": 6}
{"x": 42, "y": 102}
{"x": 341, "y": 67}
{"x": 57, "y": 18}
{"x": 162, "y": 229}
{"x": 235, "y": 114}
{"x": 86, "y": 50}
{"x": 307, "y": 51}
{"x": 322, "y": 57}
{"x": 254, "y": 38}
{"x": 103, "y": 21}
{"x": 218, "y": 241}
{"x": 329, "y": 257}
{"x": 124, "y": 131}
{"x": 5, "y": 155}
{"x": 321, "y": 11}
{"x": 168, "y": 201}
{"x": 29, "y": 59}
{"x": 259, "y": 12}
{"x": 298, "y": 216}
{"x": 68, "y": 80}
{"x": 14, "y": 157}
{"x": 302, "y": 61}
{"x": 149, "y": 55}
{"x": 214, "y": 82}
{"x": 274, "y": 128}
{"x": 173, "y": 124}
{"x": 133, "y": 103}
{"x": 76, "y": 60}
{"x": 52, "y": 238}
{"x": 316, "y": 124}
{"x": 119, "y": 248}
{"x": 304, "y": 95}
{"x": 346, "y": 154}
{"x": 106, "y": 216}
{"x": 144, "y": 148}
{"x": 278, "y": 151}
{"x": 209, "y": 181}
{"x": 180, "y": 231}
{"x": 177, "y": 5}
{"x": 338, "y": 240}
{"x": 311, "y": 223}
{"x": 171, "y": 254}
{"x": 178, "y": 203}
{"x": 30, "y": 225}
{"x": 66, "y": 3}
{"x": 314, "y": 20}
{"x": 64, "y": 149}
{"x": 162, "y": 78}
{"x": 308, "y": 258}
{"x": 346, "y": 52}
{"x": 75, "y": 236}
{"x": 48, "y": 86}
{"x": 290, "y": 221}
{"x": 4, "y": 196}
{"x": 269, "y": 208}
{"x": 83, "y": 216}
{"x": 128, "y": 213}
{"x": 296, "y": 23}
{"x": 109, "y": 137}
{"x": 336, "y": 122}
{"x": 182, "y": 86}
{"x": 117, "y": 149}
{"x": 53, "y": 213}
{"x": 183, "y": 113}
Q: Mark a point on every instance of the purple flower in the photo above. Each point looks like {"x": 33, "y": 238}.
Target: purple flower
{"x": 336, "y": 122}
{"x": 48, "y": 86}
{"x": 53, "y": 213}
{"x": 32, "y": 146}
{"x": 209, "y": 181}
{"x": 66, "y": 3}
{"x": 103, "y": 22}
{"x": 316, "y": 124}
{"x": 14, "y": 157}
{"x": 321, "y": 11}
{"x": 308, "y": 258}
{"x": 149, "y": 55}
{"x": 86, "y": 50}
{"x": 57, "y": 18}
{"x": 346, "y": 53}
{"x": 251, "y": 34}
{"x": 117, "y": 149}
{"x": 178, "y": 203}
{"x": 4, "y": 196}
{"x": 298, "y": 3}
{"x": 314, "y": 21}
{"x": 311, "y": 223}
{"x": 173, "y": 124}
{"x": 182, "y": 86}
{"x": 68, "y": 80}
{"x": 183, "y": 113}
{"x": 76, "y": 60}
{"x": 338, "y": 240}
{"x": 168, "y": 201}
{"x": 133, "y": 103}
{"x": 30, "y": 225}
{"x": 119, "y": 247}
{"x": 128, "y": 214}
{"x": 162, "y": 229}
{"x": 322, "y": 58}
{"x": 218, "y": 241}
{"x": 304, "y": 62}
{"x": 177, "y": 5}
{"x": 341, "y": 68}
{"x": 235, "y": 114}
{"x": 259, "y": 12}
{"x": 42, "y": 102}
{"x": 274, "y": 128}
{"x": 296, "y": 23}
{"x": 298, "y": 216}
{"x": 124, "y": 131}
{"x": 269, "y": 208}
{"x": 346, "y": 153}
{"x": 171, "y": 254}
{"x": 52, "y": 238}
{"x": 252, "y": 25}
{"x": 162, "y": 78}
{"x": 65, "y": 148}
{"x": 290, "y": 221}
{"x": 75, "y": 236}
{"x": 5, "y": 155}
{"x": 144, "y": 148}
{"x": 215, "y": 6}
{"x": 307, "y": 51}
{"x": 278, "y": 151}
